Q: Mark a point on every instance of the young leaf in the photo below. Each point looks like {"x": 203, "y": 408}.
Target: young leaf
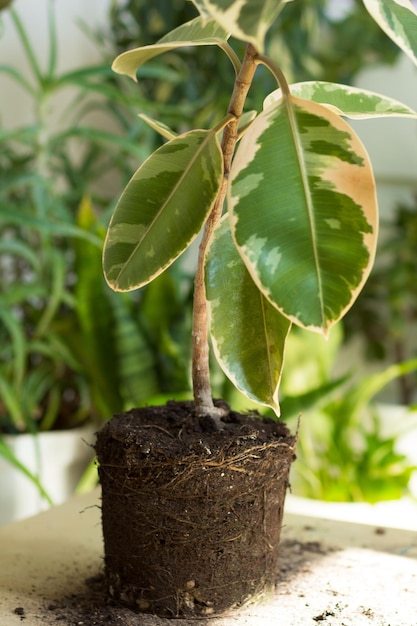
{"x": 248, "y": 333}
{"x": 303, "y": 209}
{"x": 345, "y": 100}
{"x": 162, "y": 209}
{"x": 160, "y": 127}
{"x": 398, "y": 19}
{"x": 248, "y": 20}
{"x": 197, "y": 32}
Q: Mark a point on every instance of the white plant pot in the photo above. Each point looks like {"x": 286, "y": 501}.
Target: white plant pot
{"x": 57, "y": 458}
{"x": 400, "y": 421}
{"x": 395, "y": 420}
{"x": 388, "y": 513}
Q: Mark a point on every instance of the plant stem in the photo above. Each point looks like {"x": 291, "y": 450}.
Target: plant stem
{"x": 200, "y": 363}
{"x": 276, "y": 72}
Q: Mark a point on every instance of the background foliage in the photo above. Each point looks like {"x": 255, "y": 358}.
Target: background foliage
{"x": 69, "y": 348}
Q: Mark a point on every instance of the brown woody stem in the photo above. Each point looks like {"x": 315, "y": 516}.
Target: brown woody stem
{"x": 200, "y": 364}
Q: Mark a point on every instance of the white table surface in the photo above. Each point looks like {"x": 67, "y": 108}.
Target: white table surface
{"x": 348, "y": 575}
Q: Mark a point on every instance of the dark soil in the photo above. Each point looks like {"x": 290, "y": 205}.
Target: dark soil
{"x": 191, "y": 514}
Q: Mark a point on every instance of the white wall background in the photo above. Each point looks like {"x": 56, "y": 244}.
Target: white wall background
{"x": 74, "y": 48}
{"x": 392, "y": 143}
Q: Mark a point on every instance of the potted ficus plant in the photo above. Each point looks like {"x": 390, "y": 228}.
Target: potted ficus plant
{"x": 193, "y": 493}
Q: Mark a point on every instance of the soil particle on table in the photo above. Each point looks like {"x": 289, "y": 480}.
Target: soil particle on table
{"x": 93, "y": 608}
{"x": 317, "y": 583}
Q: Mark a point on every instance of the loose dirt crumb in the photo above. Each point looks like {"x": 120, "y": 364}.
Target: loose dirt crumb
{"x": 323, "y": 616}
{"x": 21, "y": 612}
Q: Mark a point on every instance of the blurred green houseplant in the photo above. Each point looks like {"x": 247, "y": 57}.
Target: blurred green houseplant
{"x": 344, "y": 453}
{"x": 386, "y": 312}
{"x": 58, "y": 353}
{"x": 69, "y": 350}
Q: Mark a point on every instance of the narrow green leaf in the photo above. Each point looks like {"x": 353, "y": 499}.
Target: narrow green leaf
{"x": 12, "y": 403}
{"x": 95, "y": 346}
{"x": 296, "y": 405}
{"x": 136, "y": 362}
{"x": 89, "y": 479}
{"x": 57, "y": 294}
{"x": 197, "y": 32}
{"x": 48, "y": 226}
{"x": 18, "y": 248}
{"x": 162, "y": 209}
{"x": 160, "y": 128}
{"x": 398, "y": 19}
{"x": 303, "y": 209}
{"x": 18, "y": 344}
{"x": 248, "y": 333}
{"x": 7, "y": 453}
{"x": 247, "y": 20}
{"x": 363, "y": 392}
{"x": 345, "y": 100}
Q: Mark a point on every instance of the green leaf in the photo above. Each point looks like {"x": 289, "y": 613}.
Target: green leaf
{"x": 162, "y": 209}
{"x": 57, "y": 292}
{"x": 247, "y": 20}
{"x": 197, "y": 32}
{"x": 48, "y": 226}
{"x": 248, "y": 333}
{"x": 22, "y": 250}
{"x": 398, "y": 19}
{"x": 136, "y": 363}
{"x": 166, "y": 314}
{"x": 94, "y": 341}
{"x": 303, "y": 209}
{"x": 345, "y": 100}
{"x": 361, "y": 394}
{"x": 160, "y": 128}
{"x": 17, "y": 342}
{"x": 12, "y": 403}
{"x": 8, "y": 454}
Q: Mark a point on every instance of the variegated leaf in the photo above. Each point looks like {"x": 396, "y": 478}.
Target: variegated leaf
{"x": 248, "y": 20}
{"x": 303, "y": 210}
{"x": 162, "y": 209}
{"x": 248, "y": 333}
{"x": 199, "y": 4}
{"x": 344, "y": 100}
{"x": 197, "y": 32}
{"x": 160, "y": 128}
{"x": 398, "y": 19}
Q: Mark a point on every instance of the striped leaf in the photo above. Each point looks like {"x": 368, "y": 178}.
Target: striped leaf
{"x": 160, "y": 127}
{"x": 92, "y": 342}
{"x": 344, "y": 100}
{"x": 162, "y": 209}
{"x": 136, "y": 360}
{"x": 248, "y": 333}
{"x": 199, "y": 4}
{"x": 197, "y": 32}
{"x": 303, "y": 209}
{"x": 398, "y": 19}
{"x": 248, "y": 20}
